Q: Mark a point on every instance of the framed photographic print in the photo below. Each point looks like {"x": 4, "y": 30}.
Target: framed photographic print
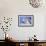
{"x": 25, "y": 20}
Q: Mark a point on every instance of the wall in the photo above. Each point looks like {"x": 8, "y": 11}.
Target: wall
{"x": 13, "y": 8}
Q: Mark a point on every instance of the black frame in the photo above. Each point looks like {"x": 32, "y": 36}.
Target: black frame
{"x": 26, "y": 25}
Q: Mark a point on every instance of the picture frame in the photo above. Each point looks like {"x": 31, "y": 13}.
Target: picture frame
{"x": 25, "y": 20}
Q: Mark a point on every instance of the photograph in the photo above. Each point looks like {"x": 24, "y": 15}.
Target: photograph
{"x": 25, "y": 20}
